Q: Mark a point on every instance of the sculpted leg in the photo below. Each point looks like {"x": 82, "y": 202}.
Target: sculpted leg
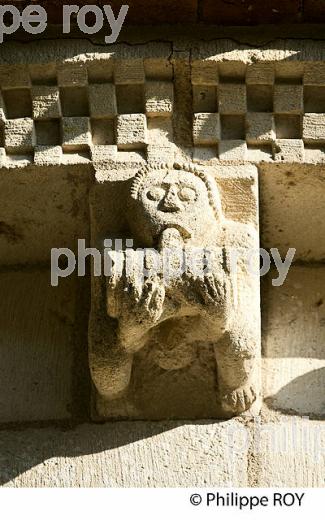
{"x": 237, "y": 358}
{"x": 110, "y": 365}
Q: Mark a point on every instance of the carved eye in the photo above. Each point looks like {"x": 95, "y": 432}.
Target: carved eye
{"x": 156, "y": 193}
{"x": 187, "y": 194}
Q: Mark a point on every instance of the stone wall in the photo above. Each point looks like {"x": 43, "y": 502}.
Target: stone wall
{"x": 77, "y": 123}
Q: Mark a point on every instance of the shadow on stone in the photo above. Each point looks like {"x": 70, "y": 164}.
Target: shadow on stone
{"x": 100, "y": 461}
{"x": 304, "y": 395}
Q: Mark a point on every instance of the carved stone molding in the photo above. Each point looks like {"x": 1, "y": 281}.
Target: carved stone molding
{"x": 133, "y": 109}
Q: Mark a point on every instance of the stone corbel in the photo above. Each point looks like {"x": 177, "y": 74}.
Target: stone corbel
{"x": 175, "y": 320}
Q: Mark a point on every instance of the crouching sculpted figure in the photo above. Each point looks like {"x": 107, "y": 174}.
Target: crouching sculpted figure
{"x": 184, "y": 287}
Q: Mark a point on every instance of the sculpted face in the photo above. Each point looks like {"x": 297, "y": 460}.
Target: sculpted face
{"x": 172, "y": 199}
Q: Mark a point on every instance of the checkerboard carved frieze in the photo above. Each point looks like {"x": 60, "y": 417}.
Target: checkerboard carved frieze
{"x": 258, "y": 112}
{"x": 120, "y": 109}
{"x": 72, "y": 110}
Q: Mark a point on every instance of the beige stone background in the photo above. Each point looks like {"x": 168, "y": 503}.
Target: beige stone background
{"x": 47, "y": 437}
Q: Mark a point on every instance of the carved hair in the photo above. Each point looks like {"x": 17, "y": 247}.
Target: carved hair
{"x": 213, "y": 192}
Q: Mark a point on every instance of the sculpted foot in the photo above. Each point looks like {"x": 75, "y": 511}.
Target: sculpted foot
{"x": 240, "y": 399}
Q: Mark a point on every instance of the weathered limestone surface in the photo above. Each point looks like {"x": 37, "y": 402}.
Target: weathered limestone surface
{"x": 43, "y": 348}
{"x": 283, "y": 451}
{"x": 289, "y": 452}
{"x": 163, "y": 454}
{"x": 42, "y": 208}
{"x": 293, "y": 344}
{"x": 292, "y": 209}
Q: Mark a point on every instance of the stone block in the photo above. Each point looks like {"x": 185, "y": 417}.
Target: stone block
{"x": 129, "y": 72}
{"x": 204, "y": 98}
{"x": 72, "y": 75}
{"x": 294, "y": 358}
{"x": 233, "y": 150}
{"x": 288, "y": 99}
{"x": 314, "y": 99}
{"x": 130, "y": 99}
{"x": 290, "y": 218}
{"x": 260, "y": 127}
{"x": 289, "y": 150}
{"x": 76, "y": 133}
{"x": 289, "y": 453}
{"x": 259, "y": 153}
{"x": 313, "y": 128}
{"x": 233, "y": 127}
{"x": 158, "y": 69}
{"x": 314, "y": 154}
{"x": 260, "y": 98}
{"x": 100, "y": 70}
{"x": 48, "y": 132}
{"x": 233, "y": 71}
{"x": 155, "y": 454}
{"x": 46, "y": 102}
{"x": 39, "y": 325}
{"x": 43, "y": 73}
{"x": 288, "y": 126}
{"x": 18, "y": 103}
{"x": 204, "y": 153}
{"x": 47, "y": 155}
{"x": 260, "y": 74}
{"x": 289, "y": 71}
{"x": 14, "y": 76}
{"x": 131, "y": 131}
{"x": 160, "y": 131}
{"x": 232, "y": 98}
{"x": 20, "y": 135}
{"x": 159, "y": 98}
{"x": 160, "y": 152}
{"x": 206, "y": 129}
{"x": 204, "y": 73}
{"x": 314, "y": 74}
{"x": 102, "y": 153}
{"x": 102, "y": 100}
{"x": 132, "y": 157}
{"x": 47, "y": 208}
{"x": 103, "y": 131}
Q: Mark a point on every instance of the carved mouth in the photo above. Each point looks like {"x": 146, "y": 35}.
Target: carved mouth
{"x": 185, "y": 234}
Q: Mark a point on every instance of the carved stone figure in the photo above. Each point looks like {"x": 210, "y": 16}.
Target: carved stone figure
{"x": 180, "y": 291}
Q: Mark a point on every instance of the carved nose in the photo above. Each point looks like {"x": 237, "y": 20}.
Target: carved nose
{"x": 171, "y": 201}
